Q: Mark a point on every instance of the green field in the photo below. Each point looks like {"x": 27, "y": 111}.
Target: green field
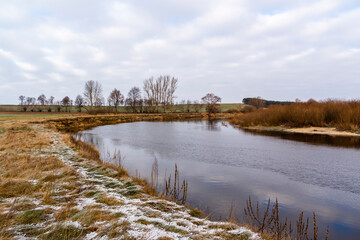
{"x": 73, "y": 109}
{"x": 30, "y": 116}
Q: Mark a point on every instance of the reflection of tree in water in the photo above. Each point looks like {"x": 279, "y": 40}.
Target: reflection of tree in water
{"x": 213, "y": 125}
{"x": 116, "y": 141}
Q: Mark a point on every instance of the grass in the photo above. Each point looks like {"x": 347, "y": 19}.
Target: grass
{"x": 60, "y": 232}
{"x": 37, "y": 110}
{"x": 111, "y": 201}
{"x": 343, "y": 115}
{"x": 15, "y": 188}
{"x": 196, "y": 212}
{"x": 32, "y": 116}
{"x": 30, "y": 216}
{"x": 89, "y": 216}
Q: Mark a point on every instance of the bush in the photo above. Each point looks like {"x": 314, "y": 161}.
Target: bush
{"x": 248, "y": 109}
{"x": 234, "y": 110}
{"x": 101, "y": 110}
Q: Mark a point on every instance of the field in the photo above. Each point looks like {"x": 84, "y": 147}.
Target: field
{"x": 73, "y": 109}
{"x": 30, "y": 115}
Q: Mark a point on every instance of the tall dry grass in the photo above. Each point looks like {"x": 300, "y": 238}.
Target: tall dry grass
{"x": 269, "y": 224}
{"x": 343, "y": 115}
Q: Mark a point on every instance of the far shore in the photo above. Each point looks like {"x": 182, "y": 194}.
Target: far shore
{"x": 330, "y": 131}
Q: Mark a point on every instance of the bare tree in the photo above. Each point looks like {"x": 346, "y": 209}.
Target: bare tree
{"x": 100, "y": 101}
{"x": 212, "y": 103}
{"x": 116, "y": 98}
{"x": 65, "y": 102}
{"x": 79, "y": 102}
{"x": 93, "y": 93}
{"x": 133, "y": 100}
{"x": 160, "y": 92}
{"x": 42, "y": 99}
{"x": 257, "y": 102}
{"x": 171, "y": 92}
{"x": 30, "y": 100}
{"x": 51, "y": 100}
{"x": 22, "y": 99}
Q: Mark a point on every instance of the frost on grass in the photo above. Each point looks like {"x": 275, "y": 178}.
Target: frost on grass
{"x": 79, "y": 198}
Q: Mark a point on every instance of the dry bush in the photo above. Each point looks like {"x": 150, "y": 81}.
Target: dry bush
{"x": 248, "y": 109}
{"x": 344, "y": 115}
{"x": 101, "y": 110}
{"x": 233, "y": 110}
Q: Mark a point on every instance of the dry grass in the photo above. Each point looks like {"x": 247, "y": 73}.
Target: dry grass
{"x": 270, "y": 225}
{"x": 28, "y": 170}
{"x": 84, "y": 149}
{"x": 21, "y": 137}
{"x": 344, "y": 115}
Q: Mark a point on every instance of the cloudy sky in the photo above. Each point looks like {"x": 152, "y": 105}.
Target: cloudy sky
{"x": 276, "y": 49}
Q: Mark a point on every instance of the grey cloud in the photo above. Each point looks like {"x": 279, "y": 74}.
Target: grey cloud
{"x": 276, "y": 49}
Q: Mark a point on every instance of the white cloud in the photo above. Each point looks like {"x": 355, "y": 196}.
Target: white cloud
{"x": 21, "y": 64}
{"x": 10, "y": 13}
{"x": 275, "y": 49}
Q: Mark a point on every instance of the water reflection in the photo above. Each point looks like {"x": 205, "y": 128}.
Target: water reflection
{"x": 223, "y": 164}
{"x": 315, "y": 139}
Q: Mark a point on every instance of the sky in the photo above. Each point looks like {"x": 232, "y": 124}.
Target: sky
{"x": 275, "y": 49}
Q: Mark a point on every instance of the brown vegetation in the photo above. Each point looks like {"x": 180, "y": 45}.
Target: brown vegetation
{"x": 344, "y": 115}
{"x": 78, "y": 123}
{"x": 269, "y": 223}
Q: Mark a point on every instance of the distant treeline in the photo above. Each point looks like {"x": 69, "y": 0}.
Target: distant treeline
{"x": 158, "y": 96}
{"x": 258, "y": 102}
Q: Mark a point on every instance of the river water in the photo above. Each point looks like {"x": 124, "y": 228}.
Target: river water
{"x": 224, "y": 166}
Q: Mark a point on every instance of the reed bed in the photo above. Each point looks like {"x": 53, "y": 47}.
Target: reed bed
{"x": 343, "y": 115}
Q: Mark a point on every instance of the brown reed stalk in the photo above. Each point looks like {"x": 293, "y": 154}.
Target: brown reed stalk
{"x": 173, "y": 190}
{"x": 271, "y": 224}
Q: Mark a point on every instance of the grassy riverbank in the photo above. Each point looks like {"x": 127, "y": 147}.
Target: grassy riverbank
{"x": 51, "y": 188}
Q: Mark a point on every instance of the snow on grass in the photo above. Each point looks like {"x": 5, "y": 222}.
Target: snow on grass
{"x": 101, "y": 202}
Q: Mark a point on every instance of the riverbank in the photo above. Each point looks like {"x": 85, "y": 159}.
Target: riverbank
{"x": 329, "y": 131}
{"x": 50, "y": 189}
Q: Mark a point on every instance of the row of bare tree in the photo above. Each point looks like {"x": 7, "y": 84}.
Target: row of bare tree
{"x": 159, "y": 96}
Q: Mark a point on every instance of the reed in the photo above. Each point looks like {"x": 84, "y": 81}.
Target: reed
{"x": 269, "y": 223}
{"x": 154, "y": 174}
{"x": 343, "y": 115}
{"x": 173, "y": 190}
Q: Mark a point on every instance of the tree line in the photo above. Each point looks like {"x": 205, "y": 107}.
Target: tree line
{"x": 158, "y": 96}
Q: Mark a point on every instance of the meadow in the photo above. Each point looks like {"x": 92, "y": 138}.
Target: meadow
{"x": 223, "y": 107}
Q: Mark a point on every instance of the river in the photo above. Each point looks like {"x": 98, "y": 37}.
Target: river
{"x": 224, "y": 166}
